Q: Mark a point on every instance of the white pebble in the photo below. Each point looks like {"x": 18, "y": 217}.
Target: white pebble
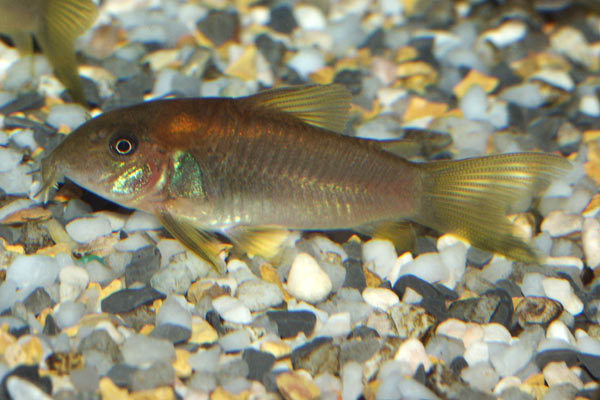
{"x": 412, "y": 352}
{"x": 511, "y": 360}
{"x": 68, "y": 313}
{"x": 590, "y": 105}
{"x": 591, "y": 242}
{"x": 382, "y": 254}
{"x": 23, "y": 389}
{"x": 428, "y": 266}
{"x": 352, "y": 376}
{"x": 505, "y": 383}
{"x": 307, "y": 280}
{"x": 259, "y": 295}
{"x": 33, "y": 271}
{"x": 71, "y": 115}
{"x": 506, "y": 34}
{"x": 87, "y": 229}
{"x": 558, "y": 330}
{"x": 454, "y": 259}
{"x": 495, "y": 332}
{"x": 453, "y": 328}
{"x": 307, "y": 61}
{"x": 558, "y": 223}
{"x": 133, "y": 243}
{"x": 556, "y": 78}
{"x": 337, "y": 325}
{"x": 526, "y": 95}
{"x": 309, "y": 17}
{"x": 561, "y": 291}
{"x": 235, "y": 341}
{"x": 232, "y": 310}
{"x": 142, "y": 349}
{"x": 477, "y": 352}
{"x": 73, "y": 281}
{"x": 480, "y": 376}
{"x": 533, "y": 285}
{"x": 17, "y": 181}
{"x": 205, "y": 360}
{"x": 117, "y": 220}
{"x": 174, "y": 312}
{"x": 380, "y": 298}
{"x": 9, "y": 158}
{"x": 474, "y": 103}
{"x": 398, "y": 387}
{"x": 141, "y": 221}
{"x": 557, "y": 373}
{"x": 589, "y": 345}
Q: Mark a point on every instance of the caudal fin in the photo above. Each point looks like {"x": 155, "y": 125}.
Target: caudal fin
{"x": 471, "y": 197}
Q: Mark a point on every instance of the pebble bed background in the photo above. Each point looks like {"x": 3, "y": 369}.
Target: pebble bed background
{"x": 97, "y": 301}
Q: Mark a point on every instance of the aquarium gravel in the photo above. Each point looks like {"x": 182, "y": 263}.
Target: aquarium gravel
{"x": 97, "y": 301}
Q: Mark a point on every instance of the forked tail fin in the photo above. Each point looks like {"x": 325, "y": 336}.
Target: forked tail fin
{"x": 471, "y": 197}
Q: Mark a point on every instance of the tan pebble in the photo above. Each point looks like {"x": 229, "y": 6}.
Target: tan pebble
{"x": 277, "y": 349}
{"x": 269, "y": 274}
{"x": 556, "y": 373}
{"x": 536, "y": 391}
{"x": 111, "y": 288}
{"x": 202, "y": 332}
{"x": 474, "y": 77}
{"x": 6, "y": 339}
{"x": 592, "y": 166}
{"x": 593, "y": 207}
{"x": 63, "y": 363}
{"x": 323, "y": 76}
{"x": 180, "y": 365}
{"x": 244, "y": 67}
{"x": 591, "y": 135}
{"x": 221, "y": 394}
{"x": 558, "y": 223}
{"x": 411, "y": 321}
{"x": 27, "y": 350}
{"x": 591, "y": 242}
{"x": 147, "y": 329}
{"x": 295, "y": 387}
{"x": 536, "y": 379}
{"x": 110, "y": 391}
{"x": 405, "y": 53}
{"x": 418, "y": 108}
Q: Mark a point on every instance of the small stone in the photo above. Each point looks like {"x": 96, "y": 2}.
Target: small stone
{"x": 506, "y": 34}
{"x": 235, "y": 341}
{"x": 317, "y": 357}
{"x": 135, "y": 350}
{"x": 537, "y": 310}
{"x": 307, "y": 280}
{"x": 259, "y": 363}
{"x": 559, "y": 224}
{"x": 120, "y": 374}
{"x": 282, "y": 19}
{"x": 515, "y": 357}
{"x": 355, "y": 276}
{"x": 480, "y": 376}
{"x": 160, "y": 373}
{"x": 26, "y": 377}
{"x": 380, "y": 298}
{"x": 85, "y": 379}
{"x": 69, "y": 313}
{"x": 129, "y": 299}
{"x": 591, "y": 363}
{"x": 547, "y": 356}
{"x": 174, "y": 333}
{"x": 411, "y": 321}
{"x": 558, "y": 330}
{"x": 412, "y": 352}
{"x": 232, "y": 370}
{"x": 173, "y": 311}
{"x": 19, "y": 388}
{"x": 296, "y": 387}
{"x": 220, "y": 26}
{"x": 359, "y": 350}
{"x": 232, "y": 310}
{"x": 492, "y": 306}
{"x": 591, "y": 242}
{"x": 73, "y": 280}
{"x": 259, "y": 295}
{"x": 561, "y": 291}
{"x": 382, "y": 254}
{"x": 38, "y": 300}
{"x": 556, "y": 373}
{"x": 145, "y": 262}
{"x": 445, "y": 348}
{"x": 86, "y": 229}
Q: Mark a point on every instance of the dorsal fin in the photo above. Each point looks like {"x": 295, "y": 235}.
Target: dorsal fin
{"x": 323, "y": 106}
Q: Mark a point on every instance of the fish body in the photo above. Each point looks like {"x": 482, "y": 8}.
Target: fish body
{"x": 55, "y": 24}
{"x": 276, "y": 161}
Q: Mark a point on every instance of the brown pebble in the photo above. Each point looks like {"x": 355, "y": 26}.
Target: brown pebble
{"x": 537, "y": 310}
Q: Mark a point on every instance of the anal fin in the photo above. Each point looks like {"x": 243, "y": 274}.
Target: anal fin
{"x": 266, "y": 242}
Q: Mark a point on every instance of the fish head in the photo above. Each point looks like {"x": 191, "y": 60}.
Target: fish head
{"x": 112, "y": 155}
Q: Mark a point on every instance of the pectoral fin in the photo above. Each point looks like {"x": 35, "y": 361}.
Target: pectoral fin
{"x": 204, "y": 244}
{"x": 64, "y": 21}
{"x": 400, "y": 233}
{"x": 266, "y": 242}
{"x": 323, "y": 106}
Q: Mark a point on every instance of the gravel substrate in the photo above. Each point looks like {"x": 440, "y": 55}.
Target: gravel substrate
{"x": 98, "y": 301}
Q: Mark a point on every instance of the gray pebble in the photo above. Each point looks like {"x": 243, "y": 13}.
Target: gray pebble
{"x": 160, "y": 373}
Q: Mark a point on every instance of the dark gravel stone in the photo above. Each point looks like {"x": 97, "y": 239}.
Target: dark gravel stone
{"x": 351, "y": 78}
{"x": 121, "y": 68}
{"x": 445, "y": 348}
{"x": 272, "y": 50}
{"x": 363, "y": 332}
{"x": 144, "y": 263}
{"x": 160, "y": 373}
{"x": 29, "y": 373}
{"x": 38, "y": 300}
{"x": 130, "y": 91}
{"x": 129, "y": 299}
{"x": 355, "y": 277}
{"x": 458, "y": 364}
{"x": 215, "y": 321}
{"x": 375, "y": 42}
{"x": 290, "y": 323}
{"x": 510, "y": 287}
{"x": 259, "y": 363}
{"x": 537, "y": 310}
{"x": 120, "y": 374}
{"x": 174, "y": 333}
{"x": 478, "y": 257}
{"x": 548, "y": 356}
{"x": 220, "y": 26}
{"x": 317, "y": 357}
{"x": 282, "y": 19}
{"x": 420, "y": 286}
{"x": 543, "y": 130}
{"x": 591, "y": 363}
{"x": 100, "y": 341}
{"x": 26, "y": 101}
{"x": 237, "y": 368}
{"x": 50, "y": 327}
{"x": 358, "y": 350}
{"x": 492, "y": 306}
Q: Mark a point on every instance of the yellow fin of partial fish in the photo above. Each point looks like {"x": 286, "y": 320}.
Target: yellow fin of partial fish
{"x": 64, "y": 21}
{"x": 323, "y": 106}
{"x": 401, "y": 233}
{"x": 471, "y": 197}
{"x": 266, "y": 242}
{"x": 400, "y": 147}
{"x": 205, "y": 244}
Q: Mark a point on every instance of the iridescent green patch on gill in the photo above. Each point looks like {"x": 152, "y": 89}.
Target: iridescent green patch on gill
{"x": 186, "y": 180}
{"x": 131, "y": 180}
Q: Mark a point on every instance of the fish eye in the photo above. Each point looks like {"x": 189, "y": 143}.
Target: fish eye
{"x": 123, "y": 144}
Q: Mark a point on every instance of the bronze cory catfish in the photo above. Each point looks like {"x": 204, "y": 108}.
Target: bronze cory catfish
{"x": 251, "y": 167}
